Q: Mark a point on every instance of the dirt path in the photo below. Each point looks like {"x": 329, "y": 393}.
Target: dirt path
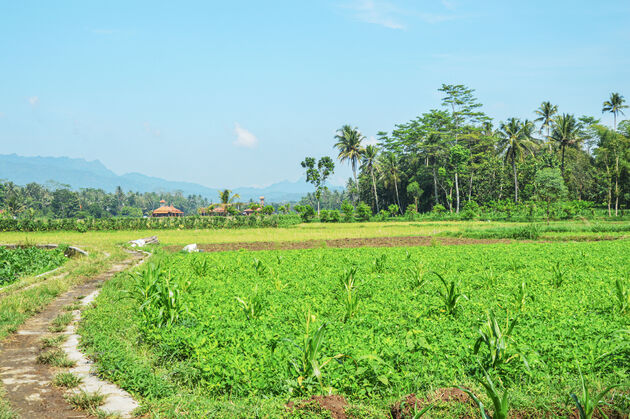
{"x": 401, "y": 241}
{"x": 27, "y": 382}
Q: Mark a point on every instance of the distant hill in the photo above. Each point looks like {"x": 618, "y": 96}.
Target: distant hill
{"x": 80, "y": 173}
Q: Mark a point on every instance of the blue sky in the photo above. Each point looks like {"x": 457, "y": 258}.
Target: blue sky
{"x": 237, "y": 93}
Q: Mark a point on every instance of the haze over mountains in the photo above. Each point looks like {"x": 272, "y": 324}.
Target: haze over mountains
{"x": 80, "y": 173}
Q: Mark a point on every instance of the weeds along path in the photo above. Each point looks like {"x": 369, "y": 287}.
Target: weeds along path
{"x": 27, "y": 368}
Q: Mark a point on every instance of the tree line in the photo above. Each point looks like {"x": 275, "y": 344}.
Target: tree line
{"x": 38, "y": 201}
{"x": 455, "y": 155}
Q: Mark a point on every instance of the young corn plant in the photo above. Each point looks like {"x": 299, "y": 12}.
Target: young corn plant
{"x": 161, "y": 297}
{"x": 623, "y": 297}
{"x": 259, "y": 267}
{"x": 309, "y": 365}
{"x": 277, "y": 282}
{"x": 499, "y": 402}
{"x": 557, "y": 275}
{"x": 200, "y": 266}
{"x": 252, "y": 308}
{"x": 498, "y": 341}
{"x": 450, "y": 295}
{"x": 350, "y": 298}
{"x": 522, "y": 296}
{"x": 379, "y": 263}
{"x": 417, "y": 275}
{"x": 588, "y": 404}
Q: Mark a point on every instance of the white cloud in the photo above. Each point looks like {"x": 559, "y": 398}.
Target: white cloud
{"x": 371, "y": 140}
{"x": 244, "y": 138}
{"x": 33, "y": 100}
{"x": 377, "y": 13}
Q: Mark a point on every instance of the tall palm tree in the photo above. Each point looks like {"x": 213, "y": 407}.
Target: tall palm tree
{"x": 614, "y": 105}
{"x": 546, "y": 112}
{"x": 226, "y": 197}
{"x": 566, "y": 132}
{"x": 350, "y": 149}
{"x": 390, "y": 173}
{"x": 368, "y": 164}
{"x": 514, "y": 143}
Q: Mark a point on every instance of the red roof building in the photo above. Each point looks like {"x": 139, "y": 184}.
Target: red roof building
{"x": 167, "y": 211}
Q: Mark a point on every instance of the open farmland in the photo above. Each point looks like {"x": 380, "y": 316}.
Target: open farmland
{"x": 16, "y": 263}
{"x": 240, "y": 333}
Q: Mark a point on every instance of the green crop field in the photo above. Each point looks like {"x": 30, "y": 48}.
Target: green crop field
{"x": 16, "y": 263}
{"x": 241, "y": 333}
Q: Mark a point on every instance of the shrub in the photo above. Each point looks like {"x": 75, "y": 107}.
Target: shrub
{"x": 438, "y": 209}
{"x": 306, "y": 212}
{"x": 348, "y": 211}
{"x": 393, "y": 210}
{"x": 363, "y": 211}
{"x": 470, "y": 210}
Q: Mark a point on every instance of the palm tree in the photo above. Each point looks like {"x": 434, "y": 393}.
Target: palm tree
{"x": 368, "y": 163}
{"x": 614, "y": 105}
{"x": 390, "y": 173}
{"x": 226, "y": 197}
{"x": 514, "y": 141}
{"x": 566, "y": 132}
{"x": 350, "y": 149}
{"x": 546, "y": 113}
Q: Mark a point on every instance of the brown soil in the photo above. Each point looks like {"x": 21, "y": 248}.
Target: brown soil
{"x": 406, "y": 407}
{"x": 28, "y": 383}
{"x": 402, "y": 241}
{"x": 334, "y": 404}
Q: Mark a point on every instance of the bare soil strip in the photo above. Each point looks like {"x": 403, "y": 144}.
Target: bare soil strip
{"x": 402, "y": 241}
{"x": 27, "y": 382}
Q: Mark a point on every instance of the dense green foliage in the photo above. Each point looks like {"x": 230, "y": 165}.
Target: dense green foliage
{"x": 57, "y": 201}
{"x": 15, "y": 263}
{"x": 371, "y": 324}
{"x": 454, "y": 155}
{"x": 136, "y": 223}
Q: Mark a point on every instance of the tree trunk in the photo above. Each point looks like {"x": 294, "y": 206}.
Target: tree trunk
{"x": 374, "y": 185}
{"x": 356, "y": 184}
{"x": 435, "y": 189}
{"x": 470, "y": 186}
{"x": 562, "y": 165}
{"x": 396, "y": 187}
{"x": 617, "y": 185}
{"x": 318, "y": 208}
{"x": 609, "y": 178}
{"x": 515, "y": 180}
{"x": 457, "y": 192}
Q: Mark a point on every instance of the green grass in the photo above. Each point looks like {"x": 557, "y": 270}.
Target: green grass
{"x": 20, "y": 262}
{"x": 53, "y": 341}
{"x": 400, "y": 339}
{"x": 60, "y": 322}
{"x": 24, "y": 298}
{"x": 55, "y": 357}
{"x": 85, "y": 401}
{"x": 66, "y": 380}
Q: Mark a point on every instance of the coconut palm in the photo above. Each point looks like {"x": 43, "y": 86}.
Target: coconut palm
{"x": 515, "y": 141}
{"x": 390, "y": 172}
{"x": 614, "y": 105}
{"x": 546, "y": 113}
{"x": 350, "y": 149}
{"x": 368, "y": 163}
{"x": 226, "y": 197}
{"x": 566, "y": 132}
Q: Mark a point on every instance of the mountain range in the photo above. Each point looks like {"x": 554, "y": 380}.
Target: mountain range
{"x": 80, "y": 173}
